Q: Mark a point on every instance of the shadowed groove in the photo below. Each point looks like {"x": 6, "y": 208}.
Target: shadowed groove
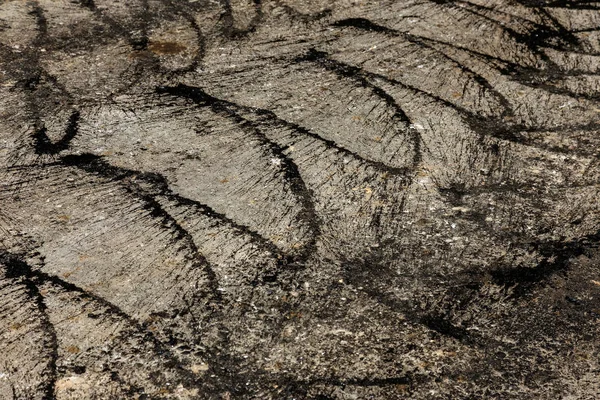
{"x": 43, "y": 145}
{"x": 16, "y": 268}
{"x": 227, "y": 17}
{"x": 116, "y": 313}
{"x": 159, "y": 187}
{"x": 351, "y": 72}
{"x": 291, "y": 174}
{"x": 200, "y": 97}
{"x": 365, "y": 24}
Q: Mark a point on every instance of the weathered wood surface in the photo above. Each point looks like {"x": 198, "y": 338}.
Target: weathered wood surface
{"x": 299, "y": 199}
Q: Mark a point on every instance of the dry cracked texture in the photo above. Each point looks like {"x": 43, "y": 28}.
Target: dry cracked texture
{"x": 289, "y": 199}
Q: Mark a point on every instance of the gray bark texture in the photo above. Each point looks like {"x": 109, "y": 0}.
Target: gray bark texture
{"x": 293, "y": 199}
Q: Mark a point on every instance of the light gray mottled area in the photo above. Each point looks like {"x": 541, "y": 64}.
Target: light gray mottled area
{"x": 288, "y": 199}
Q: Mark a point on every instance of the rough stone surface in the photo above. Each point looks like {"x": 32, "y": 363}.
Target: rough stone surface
{"x": 289, "y": 199}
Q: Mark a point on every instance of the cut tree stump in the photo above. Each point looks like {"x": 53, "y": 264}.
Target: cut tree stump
{"x": 289, "y": 199}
